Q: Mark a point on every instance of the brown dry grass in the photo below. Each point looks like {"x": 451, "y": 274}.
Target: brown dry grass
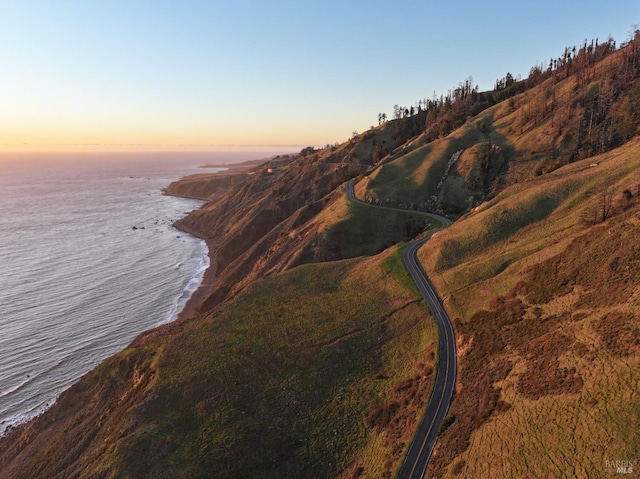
{"x": 548, "y": 314}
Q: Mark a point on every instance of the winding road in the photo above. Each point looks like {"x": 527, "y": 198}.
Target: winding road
{"x": 415, "y": 463}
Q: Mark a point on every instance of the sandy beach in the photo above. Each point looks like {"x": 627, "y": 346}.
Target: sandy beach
{"x": 190, "y": 309}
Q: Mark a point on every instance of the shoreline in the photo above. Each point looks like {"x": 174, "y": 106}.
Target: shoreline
{"x": 191, "y": 308}
{"x": 189, "y": 311}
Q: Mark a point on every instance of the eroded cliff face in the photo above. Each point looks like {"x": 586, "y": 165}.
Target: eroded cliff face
{"x": 251, "y": 216}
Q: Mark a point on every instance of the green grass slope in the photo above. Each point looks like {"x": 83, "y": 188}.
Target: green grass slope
{"x": 317, "y": 372}
{"x": 346, "y": 230}
{"x": 412, "y": 174}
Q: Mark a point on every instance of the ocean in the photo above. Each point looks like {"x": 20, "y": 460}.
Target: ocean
{"x": 88, "y": 260}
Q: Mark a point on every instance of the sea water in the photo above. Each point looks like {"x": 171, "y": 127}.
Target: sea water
{"x": 88, "y": 260}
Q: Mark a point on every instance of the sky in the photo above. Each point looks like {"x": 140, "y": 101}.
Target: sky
{"x": 195, "y": 75}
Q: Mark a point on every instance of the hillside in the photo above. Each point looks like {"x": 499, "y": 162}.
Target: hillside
{"x": 317, "y": 371}
{"x": 547, "y": 315}
{"x": 263, "y": 221}
{"x": 312, "y": 355}
{"x": 586, "y": 105}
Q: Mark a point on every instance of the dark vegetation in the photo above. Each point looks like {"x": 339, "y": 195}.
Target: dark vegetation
{"x": 608, "y": 105}
{"x": 368, "y": 231}
{"x": 398, "y": 416}
{"x": 619, "y": 332}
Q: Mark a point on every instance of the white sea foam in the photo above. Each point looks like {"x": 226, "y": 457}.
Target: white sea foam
{"x": 11, "y": 422}
{"x": 190, "y": 287}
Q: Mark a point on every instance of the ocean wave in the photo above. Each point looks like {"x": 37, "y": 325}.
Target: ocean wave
{"x": 189, "y": 287}
{"x": 6, "y": 392}
{"x": 10, "y": 423}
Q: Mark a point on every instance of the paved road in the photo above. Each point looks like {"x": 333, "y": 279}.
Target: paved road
{"x": 415, "y": 463}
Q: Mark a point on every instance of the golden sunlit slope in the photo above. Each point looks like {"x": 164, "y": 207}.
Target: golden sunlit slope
{"x": 588, "y": 106}
{"x": 547, "y": 311}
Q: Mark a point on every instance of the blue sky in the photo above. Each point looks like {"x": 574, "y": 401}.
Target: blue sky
{"x": 158, "y": 75}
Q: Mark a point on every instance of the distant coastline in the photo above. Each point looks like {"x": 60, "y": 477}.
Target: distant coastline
{"x": 234, "y": 168}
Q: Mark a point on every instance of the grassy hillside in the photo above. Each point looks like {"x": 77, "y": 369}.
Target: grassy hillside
{"x": 547, "y": 311}
{"x": 262, "y": 219}
{"x": 346, "y": 230}
{"x": 413, "y": 174}
{"x": 316, "y": 372}
{"x": 585, "y": 107}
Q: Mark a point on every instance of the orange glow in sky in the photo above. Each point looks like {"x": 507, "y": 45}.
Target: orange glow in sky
{"x": 202, "y": 75}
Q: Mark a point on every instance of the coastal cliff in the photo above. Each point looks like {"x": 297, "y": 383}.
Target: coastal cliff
{"x": 259, "y": 219}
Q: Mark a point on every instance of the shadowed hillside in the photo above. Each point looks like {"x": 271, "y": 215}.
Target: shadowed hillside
{"x": 320, "y": 370}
